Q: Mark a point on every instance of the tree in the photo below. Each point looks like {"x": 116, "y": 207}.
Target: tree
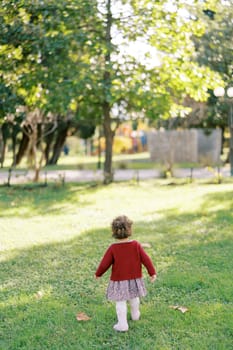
{"x": 45, "y": 50}
{"x": 215, "y": 50}
{"x": 135, "y": 87}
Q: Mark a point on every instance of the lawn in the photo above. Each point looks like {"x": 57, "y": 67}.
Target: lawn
{"x": 52, "y": 239}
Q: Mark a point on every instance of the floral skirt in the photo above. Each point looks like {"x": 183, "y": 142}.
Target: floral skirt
{"x": 125, "y": 290}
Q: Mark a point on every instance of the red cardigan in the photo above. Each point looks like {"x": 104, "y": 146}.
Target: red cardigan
{"x": 126, "y": 259}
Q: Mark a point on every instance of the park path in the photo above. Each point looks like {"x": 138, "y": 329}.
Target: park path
{"x": 18, "y": 176}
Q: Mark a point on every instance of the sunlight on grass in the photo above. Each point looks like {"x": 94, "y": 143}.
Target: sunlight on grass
{"x": 94, "y": 159}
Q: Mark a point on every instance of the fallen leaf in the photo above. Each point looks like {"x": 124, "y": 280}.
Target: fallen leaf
{"x": 183, "y": 309}
{"x": 81, "y": 316}
{"x": 146, "y": 245}
{"x": 39, "y": 294}
{"x": 175, "y": 307}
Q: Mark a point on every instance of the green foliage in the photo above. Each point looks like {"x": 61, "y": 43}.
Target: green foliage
{"x": 8, "y": 100}
{"x": 215, "y": 50}
{"x": 85, "y": 129}
{"x": 53, "y": 55}
{"x": 170, "y": 29}
{"x": 49, "y": 259}
{"x": 44, "y": 48}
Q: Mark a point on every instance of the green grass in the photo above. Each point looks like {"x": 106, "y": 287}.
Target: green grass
{"x": 52, "y": 238}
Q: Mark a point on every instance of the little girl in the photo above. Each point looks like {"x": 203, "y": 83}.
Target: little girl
{"x": 126, "y": 283}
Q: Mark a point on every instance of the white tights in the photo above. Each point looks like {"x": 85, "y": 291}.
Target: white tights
{"x": 121, "y": 311}
{"x": 134, "y": 308}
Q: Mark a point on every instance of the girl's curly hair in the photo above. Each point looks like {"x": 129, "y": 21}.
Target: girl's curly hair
{"x": 121, "y": 227}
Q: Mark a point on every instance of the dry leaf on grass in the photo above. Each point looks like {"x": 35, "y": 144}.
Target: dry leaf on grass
{"x": 146, "y": 245}
{"x": 81, "y": 316}
{"x": 183, "y": 309}
{"x": 39, "y": 294}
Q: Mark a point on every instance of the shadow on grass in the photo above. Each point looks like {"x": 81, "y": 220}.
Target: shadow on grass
{"x": 44, "y": 287}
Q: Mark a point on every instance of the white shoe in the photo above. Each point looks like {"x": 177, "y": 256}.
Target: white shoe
{"x": 121, "y": 328}
{"x": 135, "y": 316}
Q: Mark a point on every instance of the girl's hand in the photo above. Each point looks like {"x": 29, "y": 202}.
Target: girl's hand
{"x": 96, "y": 277}
{"x": 153, "y": 278}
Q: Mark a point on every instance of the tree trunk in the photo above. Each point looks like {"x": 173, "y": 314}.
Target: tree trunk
{"x": 231, "y": 151}
{"x": 108, "y": 132}
{"x": 47, "y": 150}
{"x": 48, "y": 143}
{"x": 60, "y": 141}
{"x": 231, "y": 139}
{"x": 223, "y": 138}
{"x": 37, "y": 164}
{"x": 4, "y": 133}
{"x": 22, "y": 149}
{"x": 109, "y": 137}
{"x": 3, "y": 151}
{"x": 15, "y": 131}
